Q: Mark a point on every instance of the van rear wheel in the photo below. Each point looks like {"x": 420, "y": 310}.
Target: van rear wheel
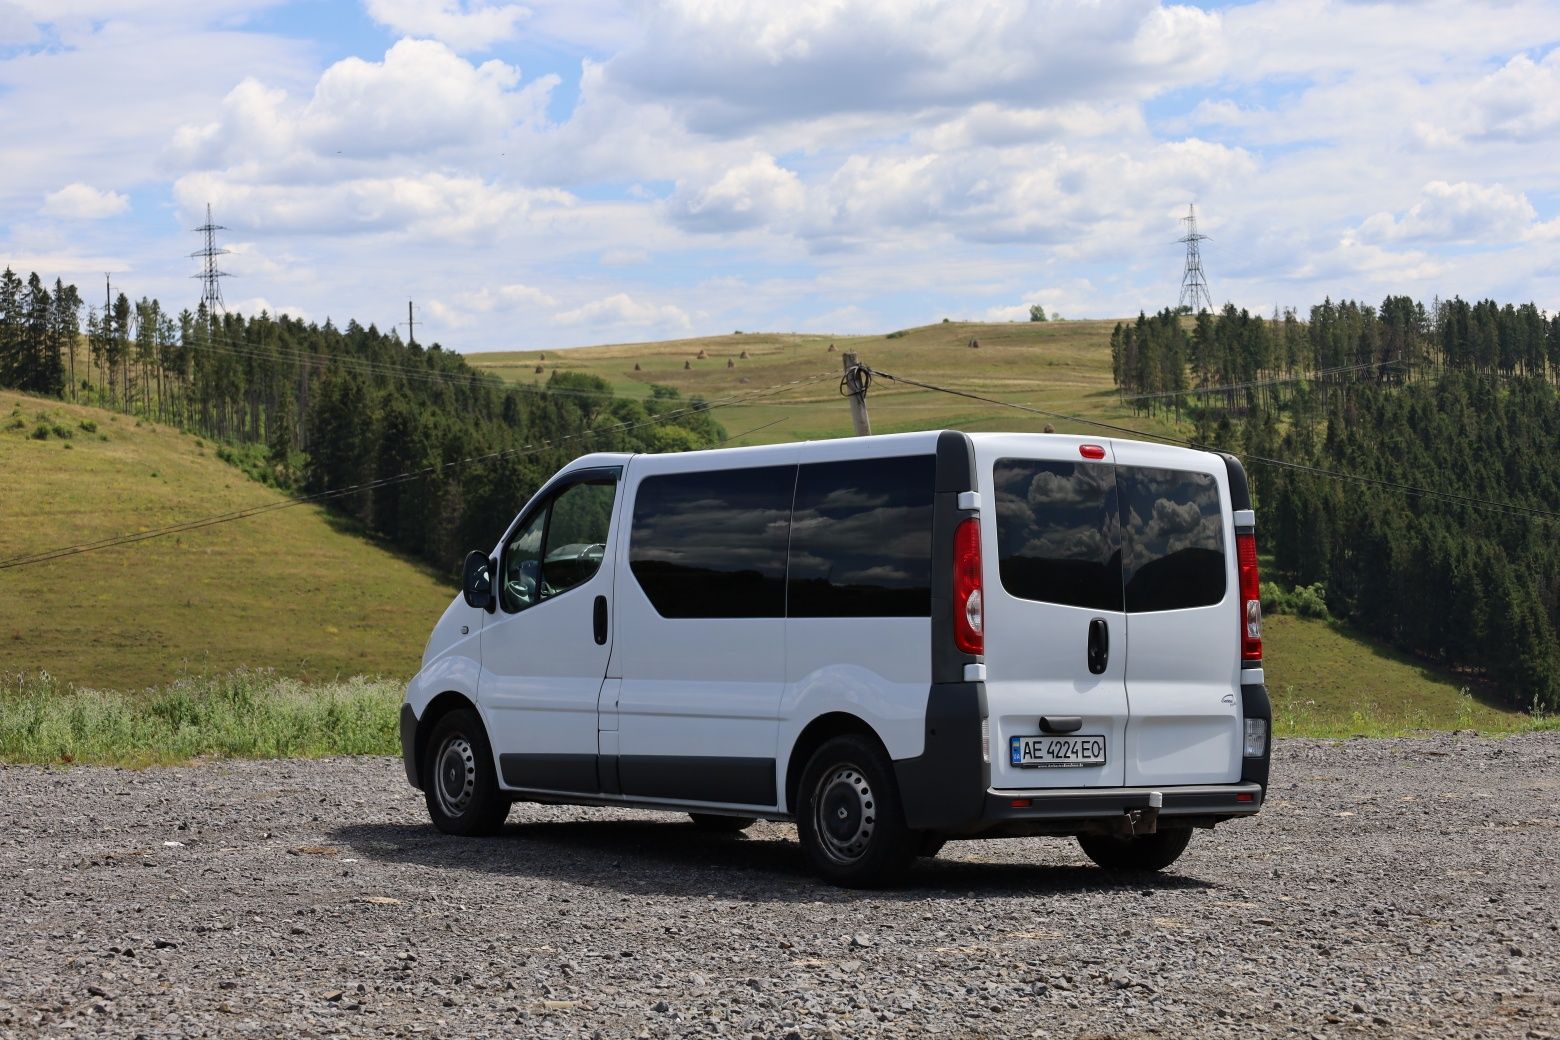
{"x": 717, "y": 824}
{"x": 1144, "y": 852}
{"x": 849, "y": 818}
{"x": 459, "y": 782}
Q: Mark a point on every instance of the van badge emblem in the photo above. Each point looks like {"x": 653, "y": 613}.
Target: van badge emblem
{"x": 1228, "y": 698}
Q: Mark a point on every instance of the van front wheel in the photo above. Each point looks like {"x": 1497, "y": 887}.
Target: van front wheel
{"x": 459, "y": 782}
{"x": 1145, "y": 852}
{"x": 849, "y": 820}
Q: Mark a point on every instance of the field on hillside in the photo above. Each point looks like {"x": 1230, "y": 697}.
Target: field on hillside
{"x": 1061, "y": 366}
{"x": 285, "y": 590}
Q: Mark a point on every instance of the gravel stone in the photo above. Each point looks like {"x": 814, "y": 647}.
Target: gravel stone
{"x": 1410, "y": 886}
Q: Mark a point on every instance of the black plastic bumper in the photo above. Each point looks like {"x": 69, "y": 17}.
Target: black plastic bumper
{"x": 409, "y": 744}
{"x": 1200, "y": 804}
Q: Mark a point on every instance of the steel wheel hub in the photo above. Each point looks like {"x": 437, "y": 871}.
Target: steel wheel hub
{"x": 844, "y": 813}
{"x": 455, "y": 778}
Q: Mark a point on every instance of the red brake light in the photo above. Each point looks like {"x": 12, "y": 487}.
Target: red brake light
{"x": 1250, "y": 598}
{"x": 1092, "y": 451}
{"x": 969, "y": 622}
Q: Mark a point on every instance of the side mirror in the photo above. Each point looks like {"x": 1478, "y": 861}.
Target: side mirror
{"x": 476, "y": 582}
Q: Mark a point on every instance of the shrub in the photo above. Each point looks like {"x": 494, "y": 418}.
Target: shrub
{"x": 64, "y": 433}
{"x": 88, "y": 425}
{"x": 18, "y": 423}
{"x": 1307, "y": 601}
{"x": 41, "y": 432}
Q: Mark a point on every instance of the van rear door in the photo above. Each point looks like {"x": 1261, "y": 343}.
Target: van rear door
{"x": 1055, "y": 630}
{"x": 1182, "y": 623}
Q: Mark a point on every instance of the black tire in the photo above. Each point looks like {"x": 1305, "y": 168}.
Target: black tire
{"x": 1145, "y": 852}
{"x": 717, "y": 824}
{"x": 849, "y": 818}
{"x": 459, "y": 783}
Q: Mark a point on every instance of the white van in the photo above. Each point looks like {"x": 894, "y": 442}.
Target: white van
{"x": 892, "y": 641}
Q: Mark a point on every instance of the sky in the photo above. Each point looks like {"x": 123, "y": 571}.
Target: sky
{"x": 566, "y": 172}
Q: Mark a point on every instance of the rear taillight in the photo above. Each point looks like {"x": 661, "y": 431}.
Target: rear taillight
{"x": 969, "y": 622}
{"x": 1250, "y": 598}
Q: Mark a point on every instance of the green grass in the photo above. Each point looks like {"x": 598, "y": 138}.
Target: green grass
{"x": 1326, "y": 681}
{"x": 244, "y": 714}
{"x": 287, "y": 590}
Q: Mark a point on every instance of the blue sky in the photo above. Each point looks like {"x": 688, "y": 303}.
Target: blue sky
{"x": 588, "y": 171}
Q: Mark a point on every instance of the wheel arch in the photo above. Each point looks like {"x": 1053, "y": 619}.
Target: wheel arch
{"x": 813, "y": 736}
{"x": 442, "y": 705}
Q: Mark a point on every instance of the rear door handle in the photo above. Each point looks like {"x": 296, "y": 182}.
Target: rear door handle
{"x": 601, "y": 620}
{"x": 1099, "y": 646}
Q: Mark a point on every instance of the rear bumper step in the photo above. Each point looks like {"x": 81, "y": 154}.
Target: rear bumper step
{"x": 1115, "y": 809}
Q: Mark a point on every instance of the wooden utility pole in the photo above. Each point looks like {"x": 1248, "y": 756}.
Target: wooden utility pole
{"x": 857, "y": 392}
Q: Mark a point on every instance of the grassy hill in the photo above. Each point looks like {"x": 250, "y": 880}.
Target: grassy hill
{"x": 1062, "y": 366}
{"x": 1324, "y": 679}
{"x": 285, "y": 590}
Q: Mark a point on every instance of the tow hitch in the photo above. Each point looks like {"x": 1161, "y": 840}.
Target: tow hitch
{"x": 1142, "y": 820}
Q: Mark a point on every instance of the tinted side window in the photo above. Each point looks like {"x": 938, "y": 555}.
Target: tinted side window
{"x": 1174, "y": 538}
{"x": 712, "y": 545}
{"x": 1058, "y": 539}
{"x": 861, "y": 539}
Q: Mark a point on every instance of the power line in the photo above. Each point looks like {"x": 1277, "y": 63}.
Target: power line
{"x": 1528, "y": 512}
{"x": 61, "y": 552}
{"x": 1252, "y": 384}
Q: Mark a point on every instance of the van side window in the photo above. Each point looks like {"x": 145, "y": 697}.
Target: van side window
{"x": 861, "y": 539}
{"x": 1174, "y": 539}
{"x": 561, "y": 546}
{"x": 713, "y": 544}
{"x": 1058, "y": 536}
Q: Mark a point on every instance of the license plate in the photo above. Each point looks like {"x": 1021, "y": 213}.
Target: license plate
{"x": 1056, "y": 752}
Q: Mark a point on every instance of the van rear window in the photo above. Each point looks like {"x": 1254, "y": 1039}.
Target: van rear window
{"x": 861, "y": 539}
{"x": 713, "y": 545}
{"x": 1058, "y": 538}
{"x": 1174, "y": 539}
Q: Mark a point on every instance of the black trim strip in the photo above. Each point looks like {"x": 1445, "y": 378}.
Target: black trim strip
{"x": 699, "y": 778}
{"x": 550, "y": 772}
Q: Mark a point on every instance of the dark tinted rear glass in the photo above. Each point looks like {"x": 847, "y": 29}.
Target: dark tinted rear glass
{"x": 861, "y": 539}
{"x": 712, "y": 545}
{"x": 1174, "y": 539}
{"x": 1057, "y": 532}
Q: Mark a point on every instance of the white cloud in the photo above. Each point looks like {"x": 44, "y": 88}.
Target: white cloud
{"x": 1461, "y": 212}
{"x": 466, "y": 25}
{"x": 422, "y": 98}
{"x": 620, "y": 309}
{"x": 83, "y": 202}
{"x": 757, "y": 192}
{"x": 433, "y": 204}
{"x": 1521, "y": 101}
{"x": 745, "y": 64}
{"x": 17, "y": 27}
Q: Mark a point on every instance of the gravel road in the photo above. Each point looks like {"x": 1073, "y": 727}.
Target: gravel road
{"x": 1390, "y": 887}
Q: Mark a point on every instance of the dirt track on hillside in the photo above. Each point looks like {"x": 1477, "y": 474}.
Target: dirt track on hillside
{"x": 1396, "y": 888}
